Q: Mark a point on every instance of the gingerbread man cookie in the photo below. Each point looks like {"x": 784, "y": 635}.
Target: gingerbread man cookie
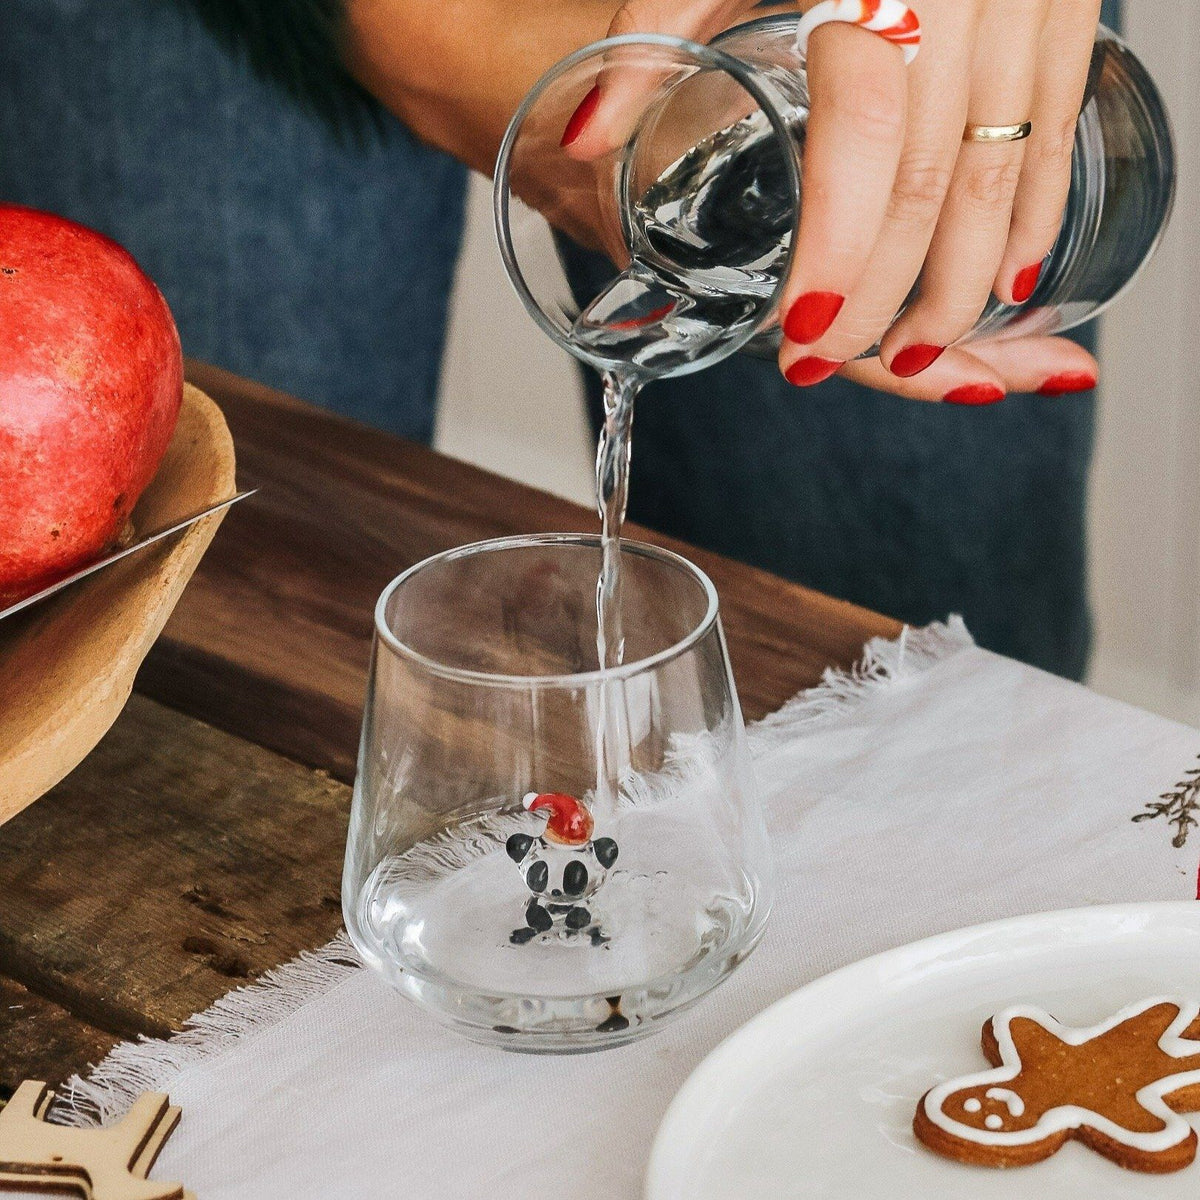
{"x": 1118, "y": 1087}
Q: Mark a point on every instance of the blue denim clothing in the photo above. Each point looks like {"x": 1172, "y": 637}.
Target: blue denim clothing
{"x": 315, "y": 266}
{"x": 324, "y": 269}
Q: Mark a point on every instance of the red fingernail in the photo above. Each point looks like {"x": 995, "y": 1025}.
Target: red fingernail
{"x": 804, "y": 372}
{"x": 1068, "y": 381}
{"x": 581, "y": 116}
{"x": 1025, "y": 282}
{"x": 974, "y": 393}
{"x": 645, "y": 319}
{"x": 912, "y": 360}
{"x": 811, "y": 315}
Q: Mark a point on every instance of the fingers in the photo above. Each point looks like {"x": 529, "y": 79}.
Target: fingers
{"x": 1063, "y": 65}
{"x": 1051, "y": 366}
{"x": 972, "y": 232}
{"x": 607, "y": 113}
{"x": 956, "y": 378}
{"x": 937, "y": 111}
{"x": 981, "y": 375}
{"x": 858, "y": 92}
{"x": 891, "y": 189}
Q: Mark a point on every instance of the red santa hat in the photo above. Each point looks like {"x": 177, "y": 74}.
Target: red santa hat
{"x": 569, "y": 822}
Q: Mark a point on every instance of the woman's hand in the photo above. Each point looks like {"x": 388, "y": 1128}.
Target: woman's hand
{"x": 892, "y": 191}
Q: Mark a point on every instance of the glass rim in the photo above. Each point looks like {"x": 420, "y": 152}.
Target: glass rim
{"x": 746, "y": 75}
{"x": 578, "y": 679}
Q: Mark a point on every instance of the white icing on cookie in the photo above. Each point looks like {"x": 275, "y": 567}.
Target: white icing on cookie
{"x": 972, "y": 1104}
{"x": 992, "y": 1121}
{"x": 1070, "y": 1116}
{"x": 1016, "y": 1105}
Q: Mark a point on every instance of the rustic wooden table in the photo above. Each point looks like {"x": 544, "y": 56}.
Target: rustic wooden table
{"x": 201, "y": 843}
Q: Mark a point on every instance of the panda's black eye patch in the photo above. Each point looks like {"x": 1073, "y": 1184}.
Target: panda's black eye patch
{"x": 575, "y": 878}
{"x": 537, "y": 877}
{"x": 606, "y": 851}
{"x": 518, "y": 845}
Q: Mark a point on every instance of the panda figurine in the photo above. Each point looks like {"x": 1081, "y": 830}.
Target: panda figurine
{"x": 562, "y": 867}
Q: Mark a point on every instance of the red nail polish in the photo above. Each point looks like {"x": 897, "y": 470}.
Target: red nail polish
{"x": 645, "y": 319}
{"x": 811, "y": 315}
{"x": 974, "y": 393}
{"x": 1025, "y": 282}
{"x": 804, "y": 372}
{"x": 912, "y": 360}
{"x": 1068, "y": 381}
{"x": 581, "y": 116}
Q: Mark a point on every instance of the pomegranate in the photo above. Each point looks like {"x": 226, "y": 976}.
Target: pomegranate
{"x": 91, "y": 379}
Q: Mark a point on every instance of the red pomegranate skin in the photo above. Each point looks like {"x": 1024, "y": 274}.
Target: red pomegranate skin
{"x": 91, "y": 380}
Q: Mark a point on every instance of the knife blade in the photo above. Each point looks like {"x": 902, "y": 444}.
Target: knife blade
{"x": 148, "y": 539}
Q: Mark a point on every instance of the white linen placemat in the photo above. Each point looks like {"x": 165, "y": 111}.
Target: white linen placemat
{"x": 939, "y": 786}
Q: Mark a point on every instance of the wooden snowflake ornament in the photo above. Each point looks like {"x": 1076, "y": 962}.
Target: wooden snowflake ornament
{"x": 109, "y": 1163}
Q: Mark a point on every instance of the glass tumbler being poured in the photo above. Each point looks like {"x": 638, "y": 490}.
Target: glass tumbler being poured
{"x": 697, "y": 207}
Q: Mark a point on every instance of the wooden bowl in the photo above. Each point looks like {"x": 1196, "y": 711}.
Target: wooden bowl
{"x": 67, "y": 665}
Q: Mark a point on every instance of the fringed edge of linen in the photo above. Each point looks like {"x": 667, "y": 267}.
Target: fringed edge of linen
{"x": 885, "y": 661}
{"x": 149, "y": 1064}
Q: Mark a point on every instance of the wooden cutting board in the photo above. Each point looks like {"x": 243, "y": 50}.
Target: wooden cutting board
{"x": 67, "y": 666}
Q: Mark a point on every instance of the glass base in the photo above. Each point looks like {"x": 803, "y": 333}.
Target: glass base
{"x": 452, "y": 925}
{"x": 568, "y": 1024}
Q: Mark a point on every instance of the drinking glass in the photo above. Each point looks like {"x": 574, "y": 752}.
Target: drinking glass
{"x": 679, "y": 296}
{"x": 490, "y": 874}
{"x": 696, "y": 207}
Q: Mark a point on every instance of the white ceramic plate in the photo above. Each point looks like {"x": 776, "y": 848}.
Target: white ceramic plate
{"x": 815, "y": 1096}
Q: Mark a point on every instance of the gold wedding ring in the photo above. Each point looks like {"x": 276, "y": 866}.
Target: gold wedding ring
{"x": 997, "y": 133}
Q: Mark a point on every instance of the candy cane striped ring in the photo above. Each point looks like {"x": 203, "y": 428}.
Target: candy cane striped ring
{"x": 891, "y": 19}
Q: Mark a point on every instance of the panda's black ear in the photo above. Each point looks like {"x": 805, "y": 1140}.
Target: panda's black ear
{"x": 606, "y": 851}
{"x": 518, "y": 846}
